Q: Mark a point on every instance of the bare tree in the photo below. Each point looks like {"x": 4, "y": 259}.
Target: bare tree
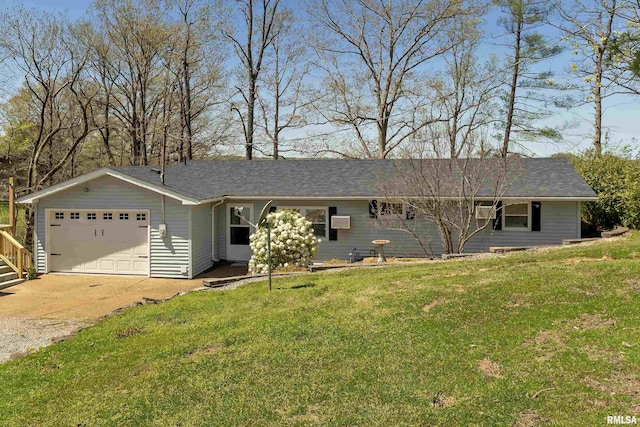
{"x": 281, "y": 97}
{"x": 137, "y": 33}
{"x": 464, "y": 92}
{"x": 261, "y": 23}
{"x": 200, "y": 71}
{"x": 445, "y": 193}
{"x": 41, "y": 46}
{"x": 373, "y": 55}
{"x": 591, "y": 26}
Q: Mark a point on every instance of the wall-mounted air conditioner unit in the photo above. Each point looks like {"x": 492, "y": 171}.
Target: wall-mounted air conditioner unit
{"x": 341, "y": 222}
{"x": 485, "y": 212}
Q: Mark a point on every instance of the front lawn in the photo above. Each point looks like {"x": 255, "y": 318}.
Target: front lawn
{"x": 551, "y": 337}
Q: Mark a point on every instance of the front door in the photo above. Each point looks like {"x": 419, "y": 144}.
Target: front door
{"x": 239, "y": 219}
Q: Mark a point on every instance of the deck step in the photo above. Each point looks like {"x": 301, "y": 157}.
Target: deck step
{"x": 5, "y": 277}
{"x": 10, "y": 283}
{"x": 5, "y": 269}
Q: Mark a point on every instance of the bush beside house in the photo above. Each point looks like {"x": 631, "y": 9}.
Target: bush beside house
{"x": 616, "y": 180}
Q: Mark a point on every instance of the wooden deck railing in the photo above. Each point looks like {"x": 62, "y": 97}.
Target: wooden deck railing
{"x": 14, "y": 254}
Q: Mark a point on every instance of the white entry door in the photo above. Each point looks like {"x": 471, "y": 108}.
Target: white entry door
{"x": 239, "y": 229}
{"x": 106, "y": 242}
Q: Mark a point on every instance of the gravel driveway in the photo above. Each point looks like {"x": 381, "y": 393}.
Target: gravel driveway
{"x": 35, "y": 313}
{"x": 18, "y": 336}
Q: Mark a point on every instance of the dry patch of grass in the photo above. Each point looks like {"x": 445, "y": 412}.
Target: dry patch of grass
{"x": 207, "y": 351}
{"x": 434, "y": 303}
{"x": 579, "y": 260}
{"x": 599, "y": 354}
{"x": 546, "y": 344}
{"x": 588, "y": 321}
{"x": 633, "y": 284}
{"x": 309, "y": 416}
{"x": 530, "y": 418}
{"x": 490, "y": 368}
{"x": 441, "y": 400}
{"x": 619, "y": 383}
{"x": 518, "y": 300}
{"x": 129, "y": 332}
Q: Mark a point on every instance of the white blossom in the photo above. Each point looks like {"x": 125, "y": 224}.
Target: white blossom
{"x": 292, "y": 242}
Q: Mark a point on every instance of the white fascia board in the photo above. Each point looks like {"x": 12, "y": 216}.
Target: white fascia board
{"x": 34, "y": 197}
{"x": 155, "y": 188}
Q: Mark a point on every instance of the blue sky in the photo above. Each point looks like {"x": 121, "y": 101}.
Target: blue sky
{"x": 621, "y": 114}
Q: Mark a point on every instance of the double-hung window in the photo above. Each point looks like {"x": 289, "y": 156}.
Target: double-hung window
{"x": 516, "y": 216}
{"x": 318, "y": 217}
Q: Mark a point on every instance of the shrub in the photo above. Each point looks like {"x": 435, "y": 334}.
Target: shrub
{"x": 293, "y": 242}
{"x": 616, "y": 180}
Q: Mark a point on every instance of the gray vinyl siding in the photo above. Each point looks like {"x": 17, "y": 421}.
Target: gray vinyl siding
{"x": 200, "y": 239}
{"x": 39, "y": 254}
{"x": 559, "y": 220}
{"x": 168, "y": 255}
{"x": 221, "y": 231}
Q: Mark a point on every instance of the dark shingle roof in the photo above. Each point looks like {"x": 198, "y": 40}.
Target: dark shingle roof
{"x": 204, "y": 180}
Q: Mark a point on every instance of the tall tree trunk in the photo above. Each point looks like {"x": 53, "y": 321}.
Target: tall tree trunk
{"x": 514, "y": 85}
{"x": 188, "y": 132}
{"x": 251, "y": 107}
{"x": 106, "y": 134}
{"x": 597, "y": 92}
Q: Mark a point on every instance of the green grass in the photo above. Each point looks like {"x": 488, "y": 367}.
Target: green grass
{"x": 530, "y": 338}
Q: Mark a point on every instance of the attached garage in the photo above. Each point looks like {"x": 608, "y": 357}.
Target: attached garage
{"x": 93, "y": 241}
{"x": 106, "y": 222}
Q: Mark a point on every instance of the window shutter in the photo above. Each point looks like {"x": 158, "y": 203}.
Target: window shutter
{"x": 373, "y": 209}
{"x": 272, "y": 209}
{"x": 411, "y": 212}
{"x": 497, "y": 223}
{"x": 536, "y": 207}
{"x": 333, "y": 233}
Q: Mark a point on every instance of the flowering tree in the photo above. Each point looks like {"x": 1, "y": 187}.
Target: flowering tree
{"x": 293, "y": 242}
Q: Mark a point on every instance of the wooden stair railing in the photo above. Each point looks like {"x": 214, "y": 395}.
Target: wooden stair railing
{"x": 14, "y": 254}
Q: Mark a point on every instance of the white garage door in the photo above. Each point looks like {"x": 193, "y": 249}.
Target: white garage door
{"x": 107, "y": 242}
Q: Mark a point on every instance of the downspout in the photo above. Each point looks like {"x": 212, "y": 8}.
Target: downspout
{"x": 213, "y": 230}
{"x": 162, "y": 229}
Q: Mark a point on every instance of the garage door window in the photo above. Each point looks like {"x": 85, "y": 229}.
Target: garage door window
{"x": 124, "y": 216}
{"x": 59, "y": 215}
{"x": 141, "y": 217}
{"x": 75, "y": 215}
{"x": 91, "y": 216}
{"x": 107, "y": 216}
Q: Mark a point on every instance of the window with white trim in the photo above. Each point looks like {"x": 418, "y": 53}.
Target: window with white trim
{"x": 124, "y": 216}
{"x": 75, "y": 215}
{"x": 318, "y": 217}
{"x": 91, "y": 216}
{"x": 141, "y": 217}
{"x": 107, "y": 216}
{"x": 516, "y": 216}
{"x": 59, "y": 215}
